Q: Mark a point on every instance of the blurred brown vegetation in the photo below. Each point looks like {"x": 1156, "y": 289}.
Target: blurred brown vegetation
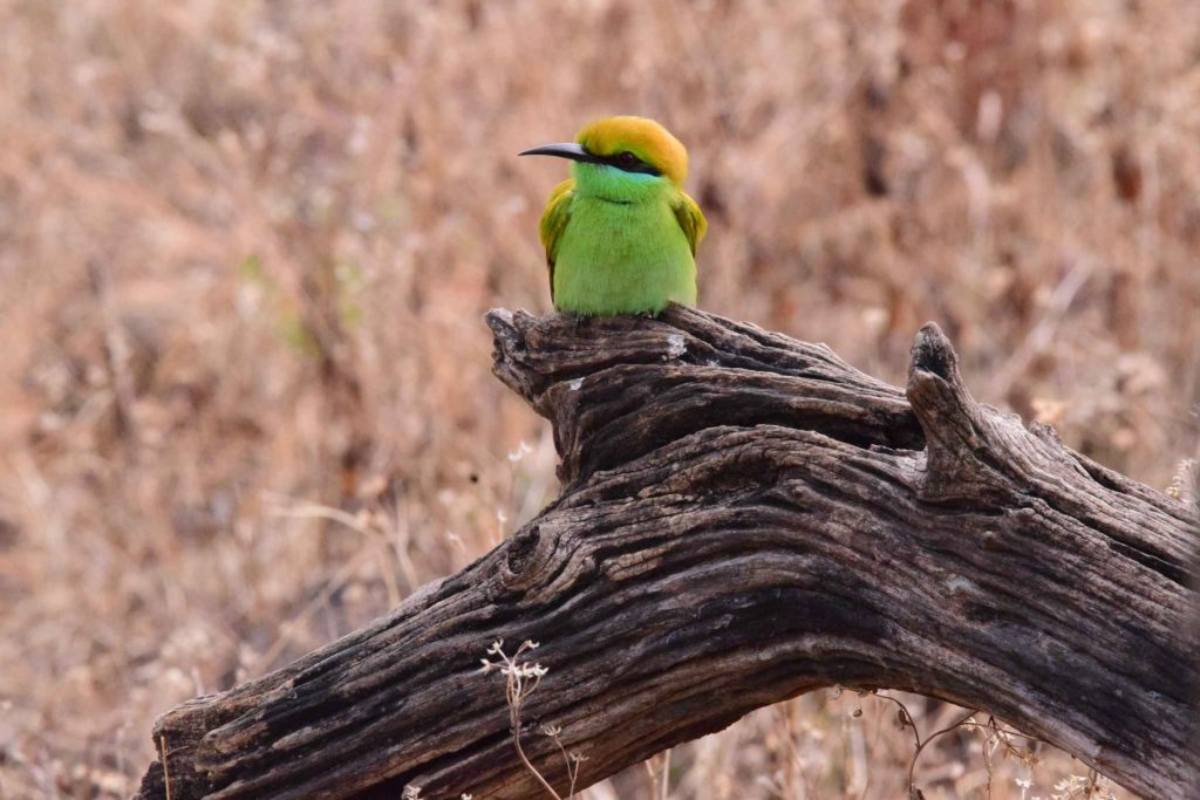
{"x": 245, "y": 248}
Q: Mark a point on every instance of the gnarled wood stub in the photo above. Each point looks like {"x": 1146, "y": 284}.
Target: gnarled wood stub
{"x": 744, "y": 518}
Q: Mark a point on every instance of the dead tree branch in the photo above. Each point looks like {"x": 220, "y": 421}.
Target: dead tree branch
{"x": 744, "y": 518}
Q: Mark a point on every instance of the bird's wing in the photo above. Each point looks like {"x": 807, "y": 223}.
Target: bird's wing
{"x": 554, "y": 222}
{"x": 691, "y": 219}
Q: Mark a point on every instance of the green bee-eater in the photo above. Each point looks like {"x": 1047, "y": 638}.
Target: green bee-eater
{"x": 621, "y": 234}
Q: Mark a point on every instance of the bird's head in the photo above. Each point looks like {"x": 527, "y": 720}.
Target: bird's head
{"x": 622, "y": 156}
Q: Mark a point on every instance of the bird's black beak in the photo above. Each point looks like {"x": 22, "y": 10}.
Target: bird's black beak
{"x": 564, "y": 150}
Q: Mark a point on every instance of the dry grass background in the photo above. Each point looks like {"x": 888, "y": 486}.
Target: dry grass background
{"x": 245, "y": 248}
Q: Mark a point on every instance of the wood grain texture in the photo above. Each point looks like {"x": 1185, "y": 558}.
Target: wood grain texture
{"x": 744, "y": 518}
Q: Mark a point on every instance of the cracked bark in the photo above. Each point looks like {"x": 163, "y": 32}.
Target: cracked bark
{"x": 744, "y": 518}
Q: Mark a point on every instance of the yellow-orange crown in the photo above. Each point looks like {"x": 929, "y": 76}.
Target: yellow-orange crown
{"x": 643, "y": 137}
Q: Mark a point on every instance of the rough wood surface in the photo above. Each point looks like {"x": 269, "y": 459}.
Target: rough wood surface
{"x": 744, "y": 518}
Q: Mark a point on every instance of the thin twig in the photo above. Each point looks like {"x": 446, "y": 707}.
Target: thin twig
{"x": 907, "y": 719}
{"x": 162, "y": 750}
{"x": 520, "y": 682}
{"x": 912, "y": 765}
{"x": 515, "y": 717}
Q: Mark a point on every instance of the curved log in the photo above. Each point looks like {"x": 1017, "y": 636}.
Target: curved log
{"x": 744, "y": 518}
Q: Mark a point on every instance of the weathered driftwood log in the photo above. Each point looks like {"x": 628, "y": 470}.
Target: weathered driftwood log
{"x": 744, "y": 518}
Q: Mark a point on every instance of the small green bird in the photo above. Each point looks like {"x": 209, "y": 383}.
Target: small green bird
{"x": 621, "y": 234}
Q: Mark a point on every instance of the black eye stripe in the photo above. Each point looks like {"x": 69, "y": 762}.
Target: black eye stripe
{"x": 624, "y": 161}
{"x": 628, "y": 162}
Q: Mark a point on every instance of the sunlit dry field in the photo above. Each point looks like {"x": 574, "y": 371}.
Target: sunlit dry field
{"x": 245, "y": 249}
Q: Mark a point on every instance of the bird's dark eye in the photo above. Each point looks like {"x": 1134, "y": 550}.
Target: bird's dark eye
{"x": 627, "y": 159}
